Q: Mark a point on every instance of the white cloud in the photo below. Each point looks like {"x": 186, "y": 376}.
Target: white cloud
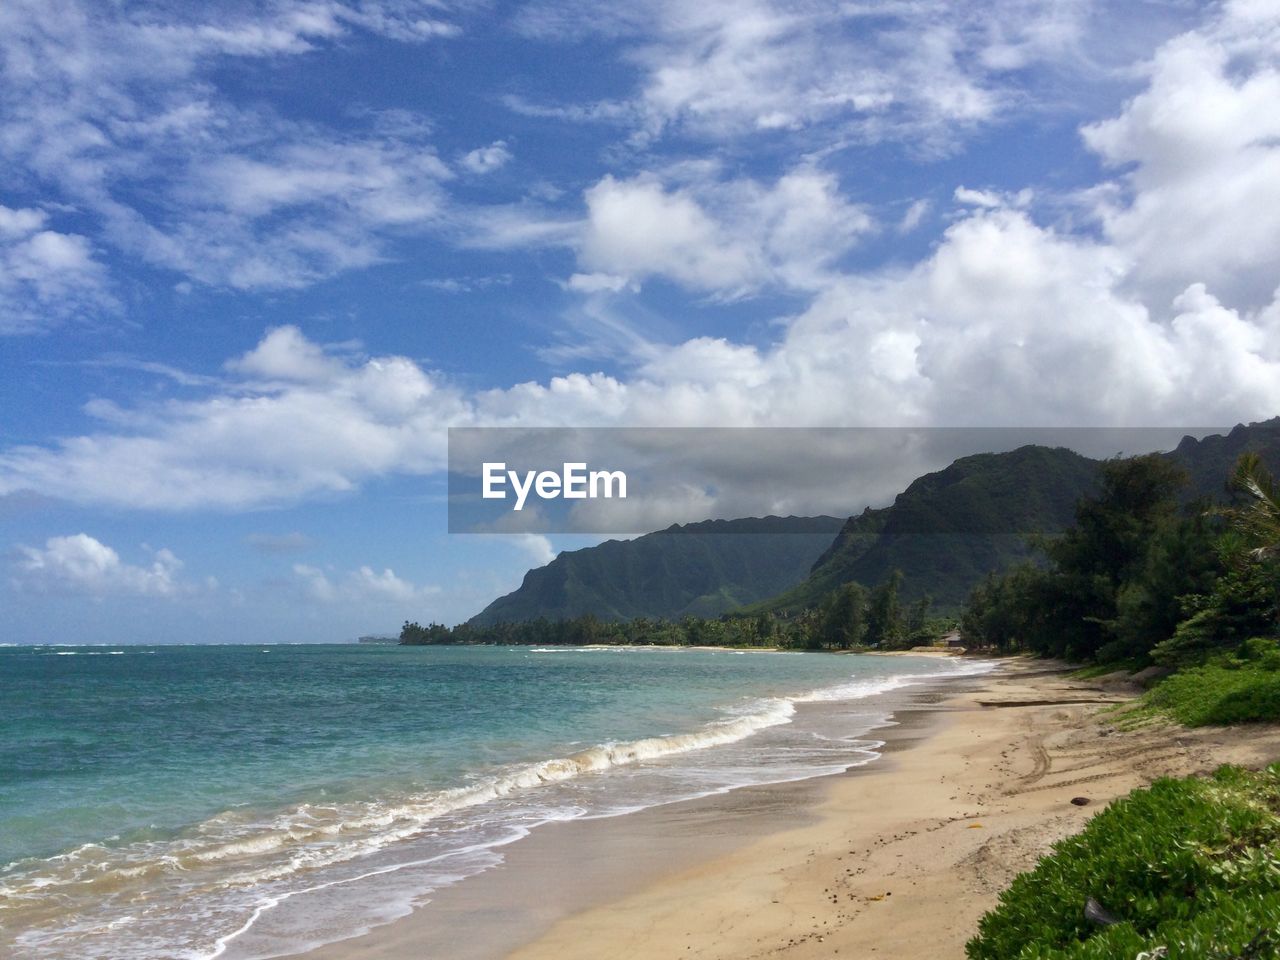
{"x": 730, "y": 237}
{"x": 285, "y": 354}
{"x": 359, "y": 586}
{"x": 977, "y": 198}
{"x": 296, "y": 428}
{"x": 487, "y": 159}
{"x": 914, "y": 216}
{"x": 285, "y": 217}
{"x": 46, "y": 277}
{"x": 1008, "y": 320}
{"x": 384, "y": 183}
{"x": 920, "y": 71}
{"x": 599, "y": 283}
{"x": 81, "y": 564}
{"x": 20, "y": 223}
{"x": 101, "y": 105}
{"x": 1202, "y": 200}
{"x": 536, "y": 547}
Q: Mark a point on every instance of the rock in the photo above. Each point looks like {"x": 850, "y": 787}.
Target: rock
{"x": 1080, "y": 801}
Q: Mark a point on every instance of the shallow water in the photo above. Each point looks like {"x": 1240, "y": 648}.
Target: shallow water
{"x": 246, "y": 802}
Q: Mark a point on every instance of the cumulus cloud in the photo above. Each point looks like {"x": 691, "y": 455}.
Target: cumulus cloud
{"x": 359, "y": 586}
{"x": 536, "y": 547}
{"x": 295, "y": 427}
{"x": 46, "y": 277}
{"x": 1011, "y": 318}
{"x": 285, "y": 354}
{"x": 1201, "y": 200}
{"x": 83, "y": 565}
{"x": 1007, "y": 322}
{"x": 977, "y": 198}
{"x": 724, "y": 237}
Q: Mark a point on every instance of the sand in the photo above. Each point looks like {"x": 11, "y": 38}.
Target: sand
{"x": 896, "y": 859}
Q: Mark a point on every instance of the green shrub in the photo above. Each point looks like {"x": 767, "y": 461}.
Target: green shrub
{"x": 1229, "y": 691}
{"x": 1263, "y": 651}
{"x": 1191, "y": 866}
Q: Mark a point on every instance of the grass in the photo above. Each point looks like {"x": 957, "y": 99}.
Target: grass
{"x": 1190, "y": 867}
{"x": 1240, "y": 688}
{"x": 1213, "y": 695}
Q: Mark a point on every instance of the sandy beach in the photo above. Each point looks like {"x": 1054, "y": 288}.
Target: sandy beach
{"x": 898, "y": 858}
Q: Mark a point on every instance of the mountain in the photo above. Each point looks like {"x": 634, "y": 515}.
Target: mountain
{"x": 1209, "y": 462}
{"x": 945, "y": 532}
{"x": 949, "y": 529}
{"x": 704, "y": 569}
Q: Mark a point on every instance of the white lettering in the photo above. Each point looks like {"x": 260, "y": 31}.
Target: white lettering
{"x": 609, "y": 477}
{"x": 521, "y": 491}
{"x": 548, "y": 485}
{"x": 575, "y": 481}
{"x": 494, "y": 476}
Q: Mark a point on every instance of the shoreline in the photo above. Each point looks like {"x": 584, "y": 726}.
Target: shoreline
{"x": 897, "y": 858}
{"x": 590, "y": 861}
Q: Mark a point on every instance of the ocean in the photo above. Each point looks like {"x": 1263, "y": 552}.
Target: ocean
{"x": 244, "y": 802}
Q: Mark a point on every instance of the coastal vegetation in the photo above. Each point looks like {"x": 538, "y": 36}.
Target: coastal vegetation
{"x": 848, "y": 618}
{"x": 1184, "y": 869}
{"x": 1145, "y": 578}
{"x": 1221, "y": 693}
{"x": 1131, "y": 561}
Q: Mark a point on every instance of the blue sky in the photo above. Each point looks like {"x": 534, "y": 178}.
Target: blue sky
{"x": 255, "y": 259}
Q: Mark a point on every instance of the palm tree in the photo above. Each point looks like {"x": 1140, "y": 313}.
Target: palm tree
{"x": 1258, "y": 520}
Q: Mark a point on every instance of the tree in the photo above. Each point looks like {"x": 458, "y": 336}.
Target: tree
{"x": 1259, "y": 520}
{"x": 885, "y": 626}
{"x": 1183, "y": 561}
{"x": 844, "y": 617}
{"x": 1106, "y": 548}
{"x": 1004, "y": 612}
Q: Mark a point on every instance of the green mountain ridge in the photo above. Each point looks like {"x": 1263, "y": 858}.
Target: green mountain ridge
{"x": 951, "y": 528}
{"x": 700, "y": 569}
{"x": 946, "y": 532}
{"x": 1211, "y": 460}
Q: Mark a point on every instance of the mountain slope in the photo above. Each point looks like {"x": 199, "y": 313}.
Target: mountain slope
{"x": 1209, "y": 462}
{"x": 949, "y": 529}
{"x": 946, "y": 532}
{"x": 703, "y": 569}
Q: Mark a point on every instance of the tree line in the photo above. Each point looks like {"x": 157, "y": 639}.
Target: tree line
{"x": 848, "y": 618}
{"x": 1142, "y": 577}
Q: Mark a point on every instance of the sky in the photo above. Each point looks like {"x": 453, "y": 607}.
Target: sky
{"x": 257, "y": 258}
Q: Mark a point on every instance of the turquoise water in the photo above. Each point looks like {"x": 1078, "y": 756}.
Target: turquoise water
{"x": 242, "y": 801}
